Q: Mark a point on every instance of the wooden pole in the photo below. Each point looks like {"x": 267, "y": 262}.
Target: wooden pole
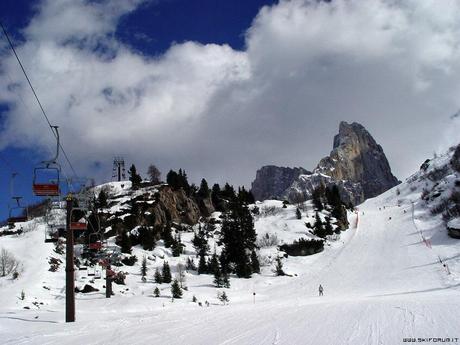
{"x": 69, "y": 267}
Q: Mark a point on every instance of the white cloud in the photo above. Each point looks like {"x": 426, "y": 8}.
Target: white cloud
{"x": 222, "y": 113}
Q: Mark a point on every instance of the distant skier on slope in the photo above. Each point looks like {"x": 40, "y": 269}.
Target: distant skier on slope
{"x": 320, "y": 290}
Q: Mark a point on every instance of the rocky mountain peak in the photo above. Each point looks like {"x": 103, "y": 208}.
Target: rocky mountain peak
{"x": 356, "y": 157}
{"x": 357, "y": 164}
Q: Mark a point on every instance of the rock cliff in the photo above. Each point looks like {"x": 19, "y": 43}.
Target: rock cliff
{"x": 271, "y": 181}
{"x": 357, "y": 165}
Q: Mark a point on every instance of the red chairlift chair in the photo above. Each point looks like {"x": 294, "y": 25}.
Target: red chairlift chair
{"x": 43, "y": 184}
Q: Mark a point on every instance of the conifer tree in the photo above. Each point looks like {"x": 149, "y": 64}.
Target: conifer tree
{"x": 200, "y": 242}
{"x": 222, "y": 296}
{"x": 156, "y": 292}
{"x": 298, "y": 214}
{"x": 225, "y": 280}
{"x": 177, "y": 246}
{"x": 166, "y": 235}
{"x": 134, "y": 177}
{"x": 218, "y": 281}
{"x": 157, "y": 276}
{"x": 316, "y": 198}
{"x": 125, "y": 243}
{"x": 328, "y": 229}
{"x": 279, "y": 267}
{"x": 255, "y": 262}
{"x": 144, "y": 268}
{"x": 166, "y": 273}
{"x": 318, "y": 228}
{"x": 204, "y": 191}
{"x": 216, "y": 198}
{"x": 176, "y": 291}
{"x": 202, "y": 265}
{"x": 102, "y": 199}
{"x": 238, "y": 236}
{"x": 190, "y": 265}
{"x": 172, "y": 179}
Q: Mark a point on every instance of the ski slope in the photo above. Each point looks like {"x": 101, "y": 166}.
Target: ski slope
{"x": 382, "y": 282}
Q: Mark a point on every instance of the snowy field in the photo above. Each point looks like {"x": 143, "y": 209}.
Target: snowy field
{"x": 383, "y": 283}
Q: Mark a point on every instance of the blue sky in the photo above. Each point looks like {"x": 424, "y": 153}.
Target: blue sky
{"x": 150, "y": 29}
{"x": 221, "y": 88}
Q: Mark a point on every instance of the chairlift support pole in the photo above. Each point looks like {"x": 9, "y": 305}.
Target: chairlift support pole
{"x": 69, "y": 268}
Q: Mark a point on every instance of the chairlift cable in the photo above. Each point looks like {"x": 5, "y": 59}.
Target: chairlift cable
{"x": 36, "y": 96}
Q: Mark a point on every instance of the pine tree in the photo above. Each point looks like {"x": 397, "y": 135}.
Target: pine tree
{"x": 125, "y": 243}
{"x": 200, "y": 242}
{"x": 214, "y": 264}
{"x": 255, "y": 262}
{"x": 318, "y": 228}
{"x": 316, "y": 198}
{"x": 222, "y": 296}
{"x": 166, "y": 235}
{"x": 177, "y": 246}
{"x": 279, "y": 267}
{"x": 190, "y": 265}
{"x": 166, "y": 273}
{"x": 176, "y": 291}
{"x": 204, "y": 191}
{"x": 134, "y": 177}
{"x": 172, "y": 179}
{"x": 225, "y": 280}
{"x": 298, "y": 214}
{"x": 156, "y": 292}
{"x": 202, "y": 265}
{"x": 144, "y": 268}
{"x": 102, "y": 199}
{"x": 328, "y": 229}
{"x": 238, "y": 236}
{"x": 158, "y": 277}
{"x": 218, "y": 281}
{"x": 216, "y": 198}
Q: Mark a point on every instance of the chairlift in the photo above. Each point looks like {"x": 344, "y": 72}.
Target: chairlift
{"x": 17, "y": 213}
{"x": 78, "y": 224}
{"x": 51, "y": 235}
{"x": 95, "y": 242}
{"x": 47, "y": 175}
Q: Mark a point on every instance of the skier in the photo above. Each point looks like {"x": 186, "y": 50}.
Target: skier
{"x": 320, "y": 289}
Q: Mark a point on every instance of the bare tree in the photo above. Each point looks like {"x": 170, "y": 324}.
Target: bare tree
{"x": 180, "y": 275}
{"x": 154, "y": 174}
{"x": 8, "y": 263}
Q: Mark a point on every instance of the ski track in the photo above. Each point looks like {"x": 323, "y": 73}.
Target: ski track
{"x": 381, "y": 285}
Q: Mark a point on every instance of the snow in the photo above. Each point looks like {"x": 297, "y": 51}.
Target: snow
{"x": 384, "y": 280}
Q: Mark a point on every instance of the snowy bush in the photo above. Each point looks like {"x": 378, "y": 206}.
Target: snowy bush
{"x": 268, "y": 240}
{"x": 8, "y": 263}
{"x": 265, "y": 260}
{"x": 303, "y": 247}
{"x": 269, "y": 211}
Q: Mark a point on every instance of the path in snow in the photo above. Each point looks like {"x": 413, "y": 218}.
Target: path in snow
{"x": 383, "y": 285}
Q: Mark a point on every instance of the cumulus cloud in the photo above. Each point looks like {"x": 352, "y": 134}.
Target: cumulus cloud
{"x": 222, "y": 113}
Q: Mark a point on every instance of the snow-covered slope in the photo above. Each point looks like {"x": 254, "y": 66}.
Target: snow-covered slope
{"x": 384, "y": 281}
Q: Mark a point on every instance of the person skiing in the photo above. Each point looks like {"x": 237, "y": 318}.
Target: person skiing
{"x": 320, "y": 289}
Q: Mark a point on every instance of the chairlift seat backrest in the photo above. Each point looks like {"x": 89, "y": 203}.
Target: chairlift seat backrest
{"x": 46, "y": 189}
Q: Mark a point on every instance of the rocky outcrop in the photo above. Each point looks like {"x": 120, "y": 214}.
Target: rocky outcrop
{"x": 303, "y": 187}
{"x": 356, "y": 157}
{"x": 272, "y": 182}
{"x": 153, "y": 207}
{"x": 357, "y": 165}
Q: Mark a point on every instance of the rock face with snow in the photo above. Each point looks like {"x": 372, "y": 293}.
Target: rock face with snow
{"x": 357, "y": 165}
{"x": 356, "y": 157}
{"x": 271, "y": 181}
